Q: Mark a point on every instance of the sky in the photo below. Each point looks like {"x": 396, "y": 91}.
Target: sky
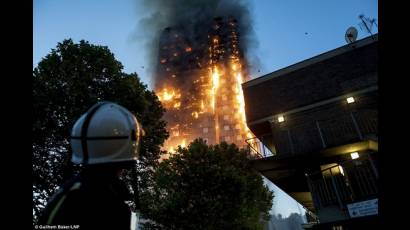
{"x": 287, "y": 32}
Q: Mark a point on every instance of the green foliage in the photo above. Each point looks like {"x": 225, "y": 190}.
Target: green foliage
{"x": 69, "y": 80}
{"x": 207, "y": 187}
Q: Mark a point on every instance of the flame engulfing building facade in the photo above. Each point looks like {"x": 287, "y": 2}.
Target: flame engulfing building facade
{"x": 200, "y": 87}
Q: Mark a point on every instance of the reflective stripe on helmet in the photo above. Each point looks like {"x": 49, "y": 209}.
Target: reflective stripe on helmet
{"x": 84, "y": 129}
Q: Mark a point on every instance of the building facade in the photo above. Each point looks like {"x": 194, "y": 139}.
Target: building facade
{"x": 199, "y": 78}
{"x": 318, "y": 120}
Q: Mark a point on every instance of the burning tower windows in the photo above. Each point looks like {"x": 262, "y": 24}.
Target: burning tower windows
{"x": 207, "y": 72}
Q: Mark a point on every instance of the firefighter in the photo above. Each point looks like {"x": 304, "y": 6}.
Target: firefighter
{"x": 105, "y": 141}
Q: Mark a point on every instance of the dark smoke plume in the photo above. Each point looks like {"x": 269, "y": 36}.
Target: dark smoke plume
{"x": 193, "y": 17}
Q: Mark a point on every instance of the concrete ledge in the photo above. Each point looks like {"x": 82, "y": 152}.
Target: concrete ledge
{"x": 349, "y": 148}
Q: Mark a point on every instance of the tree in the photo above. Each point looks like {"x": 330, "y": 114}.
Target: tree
{"x": 66, "y": 83}
{"x": 208, "y": 187}
{"x": 293, "y": 222}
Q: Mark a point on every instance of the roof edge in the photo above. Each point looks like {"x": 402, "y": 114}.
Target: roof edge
{"x": 310, "y": 61}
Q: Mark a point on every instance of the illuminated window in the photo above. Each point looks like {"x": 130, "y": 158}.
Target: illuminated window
{"x": 175, "y": 134}
{"x": 238, "y": 126}
{"x": 205, "y": 130}
{"x": 350, "y": 100}
{"x": 226, "y": 127}
{"x": 354, "y": 155}
{"x": 281, "y": 119}
{"x": 226, "y": 117}
{"x": 239, "y": 137}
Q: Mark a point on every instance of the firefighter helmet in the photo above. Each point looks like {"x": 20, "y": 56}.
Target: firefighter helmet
{"x": 106, "y": 133}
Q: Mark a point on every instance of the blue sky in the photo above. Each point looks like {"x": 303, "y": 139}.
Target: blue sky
{"x": 280, "y": 28}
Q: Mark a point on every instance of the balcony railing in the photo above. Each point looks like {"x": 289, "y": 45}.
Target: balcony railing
{"x": 315, "y": 135}
{"x": 257, "y": 149}
{"x": 345, "y": 183}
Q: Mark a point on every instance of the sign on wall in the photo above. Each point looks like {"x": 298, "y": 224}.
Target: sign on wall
{"x": 364, "y": 208}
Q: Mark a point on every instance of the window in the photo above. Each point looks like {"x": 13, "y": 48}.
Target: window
{"x": 205, "y": 130}
{"x": 226, "y": 117}
{"x": 239, "y": 137}
{"x": 226, "y": 127}
{"x": 227, "y": 138}
{"x": 237, "y": 126}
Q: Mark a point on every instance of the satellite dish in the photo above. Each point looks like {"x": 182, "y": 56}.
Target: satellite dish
{"x": 351, "y": 34}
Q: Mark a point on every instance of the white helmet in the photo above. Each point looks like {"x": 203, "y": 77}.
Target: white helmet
{"x": 106, "y": 133}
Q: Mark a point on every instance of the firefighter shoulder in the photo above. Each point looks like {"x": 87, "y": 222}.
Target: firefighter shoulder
{"x": 104, "y": 140}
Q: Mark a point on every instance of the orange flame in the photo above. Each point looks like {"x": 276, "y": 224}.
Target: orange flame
{"x": 169, "y": 98}
{"x": 220, "y": 100}
{"x": 166, "y": 95}
{"x": 215, "y": 84}
{"x": 177, "y": 105}
{"x": 195, "y": 115}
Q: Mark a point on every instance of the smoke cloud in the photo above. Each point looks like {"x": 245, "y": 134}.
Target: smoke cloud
{"x": 193, "y": 18}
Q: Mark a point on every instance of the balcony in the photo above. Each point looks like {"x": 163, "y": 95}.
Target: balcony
{"x": 306, "y": 142}
{"x": 334, "y": 187}
{"x": 307, "y": 135}
{"x": 258, "y": 149}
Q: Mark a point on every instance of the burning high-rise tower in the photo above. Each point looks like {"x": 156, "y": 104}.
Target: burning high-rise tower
{"x": 200, "y": 83}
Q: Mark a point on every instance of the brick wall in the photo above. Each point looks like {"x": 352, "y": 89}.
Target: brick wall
{"x": 350, "y": 71}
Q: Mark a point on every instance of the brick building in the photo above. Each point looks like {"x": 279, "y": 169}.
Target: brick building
{"x": 318, "y": 120}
